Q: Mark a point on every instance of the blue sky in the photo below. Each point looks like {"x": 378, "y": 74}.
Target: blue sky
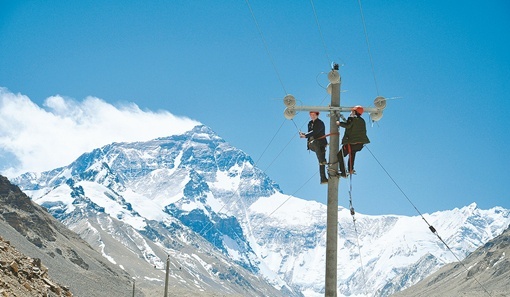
{"x": 443, "y": 138}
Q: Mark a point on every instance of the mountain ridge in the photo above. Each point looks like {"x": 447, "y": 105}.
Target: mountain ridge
{"x": 201, "y": 187}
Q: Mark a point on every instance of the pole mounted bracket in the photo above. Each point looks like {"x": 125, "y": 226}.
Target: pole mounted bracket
{"x": 289, "y": 113}
{"x": 335, "y": 114}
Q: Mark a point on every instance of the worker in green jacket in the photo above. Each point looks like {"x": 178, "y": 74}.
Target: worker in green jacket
{"x": 355, "y": 137}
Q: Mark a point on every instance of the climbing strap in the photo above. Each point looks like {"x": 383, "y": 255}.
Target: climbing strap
{"x": 327, "y": 135}
{"x": 324, "y": 136}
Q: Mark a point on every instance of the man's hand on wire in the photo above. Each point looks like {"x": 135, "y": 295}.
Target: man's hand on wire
{"x": 302, "y": 135}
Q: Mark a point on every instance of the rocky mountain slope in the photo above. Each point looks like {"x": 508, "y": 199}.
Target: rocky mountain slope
{"x": 23, "y": 276}
{"x": 485, "y": 272}
{"x": 86, "y": 272}
{"x": 69, "y": 259}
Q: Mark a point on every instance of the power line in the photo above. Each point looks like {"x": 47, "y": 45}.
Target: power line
{"x": 320, "y": 31}
{"x": 368, "y": 46}
{"x": 431, "y": 228}
{"x": 271, "y": 141}
{"x": 238, "y": 187}
{"x": 265, "y": 46}
{"x": 294, "y": 193}
{"x": 274, "y": 136}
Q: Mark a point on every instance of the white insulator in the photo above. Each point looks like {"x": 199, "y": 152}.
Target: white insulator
{"x": 289, "y": 113}
{"x": 334, "y": 77}
{"x": 376, "y": 115}
{"x": 329, "y": 89}
{"x": 380, "y": 102}
{"x": 289, "y": 100}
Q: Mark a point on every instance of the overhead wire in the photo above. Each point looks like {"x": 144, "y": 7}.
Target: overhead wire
{"x": 238, "y": 187}
{"x": 281, "y": 82}
{"x": 368, "y": 46}
{"x": 265, "y": 45}
{"x": 274, "y": 136}
{"x": 236, "y": 192}
{"x": 320, "y": 31}
{"x": 431, "y": 228}
{"x": 292, "y": 195}
{"x": 271, "y": 141}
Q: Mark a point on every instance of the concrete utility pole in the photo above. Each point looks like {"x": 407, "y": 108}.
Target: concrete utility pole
{"x": 333, "y": 180}
{"x": 332, "y": 219}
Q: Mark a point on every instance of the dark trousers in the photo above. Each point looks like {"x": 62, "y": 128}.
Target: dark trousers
{"x": 348, "y": 150}
{"x": 321, "y": 154}
{"x": 320, "y": 151}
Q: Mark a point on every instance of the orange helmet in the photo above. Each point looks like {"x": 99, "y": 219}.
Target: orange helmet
{"x": 359, "y": 109}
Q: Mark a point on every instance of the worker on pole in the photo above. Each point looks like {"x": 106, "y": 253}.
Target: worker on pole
{"x": 316, "y": 142}
{"x": 335, "y": 158}
{"x": 355, "y": 137}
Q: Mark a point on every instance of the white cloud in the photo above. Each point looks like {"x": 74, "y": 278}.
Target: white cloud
{"x": 34, "y": 138}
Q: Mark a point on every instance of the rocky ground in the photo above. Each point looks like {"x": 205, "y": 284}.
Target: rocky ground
{"x": 24, "y": 276}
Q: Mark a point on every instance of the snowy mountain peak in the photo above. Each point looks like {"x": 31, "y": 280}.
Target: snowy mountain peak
{"x": 184, "y": 192}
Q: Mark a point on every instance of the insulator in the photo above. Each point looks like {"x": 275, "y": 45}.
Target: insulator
{"x": 334, "y": 77}
{"x": 289, "y": 100}
{"x": 380, "y": 102}
{"x": 376, "y": 115}
{"x": 289, "y": 113}
{"x": 329, "y": 89}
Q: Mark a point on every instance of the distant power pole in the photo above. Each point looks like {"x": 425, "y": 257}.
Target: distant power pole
{"x": 166, "y": 275}
{"x": 134, "y": 281}
{"x": 332, "y": 210}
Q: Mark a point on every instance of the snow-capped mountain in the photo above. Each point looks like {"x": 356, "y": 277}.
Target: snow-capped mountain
{"x": 225, "y": 223}
{"x": 485, "y": 272}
